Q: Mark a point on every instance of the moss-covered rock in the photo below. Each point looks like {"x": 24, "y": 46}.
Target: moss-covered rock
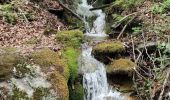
{"x": 71, "y": 38}
{"x": 60, "y": 84}
{"x": 19, "y": 95}
{"x": 43, "y": 94}
{"x": 121, "y": 67}
{"x": 47, "y": 58}
{"x": 77, "y": 93}
{"x": 8, "y": 59}
{"x": 107, "y": 49}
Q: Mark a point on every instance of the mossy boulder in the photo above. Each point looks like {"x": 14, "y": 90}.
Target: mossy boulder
{"x": 108, "y": 49}
{"x": 121, "y": 67}
{"x": 59, "y": 77}
{"x": 47, "y": 58}
{"x": 60, "y": 84}
{"x": 8, "y": 59}
{"x": 71, "y": 38}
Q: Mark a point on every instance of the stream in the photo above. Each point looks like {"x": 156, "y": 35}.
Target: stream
{"x": 94, "y": 72}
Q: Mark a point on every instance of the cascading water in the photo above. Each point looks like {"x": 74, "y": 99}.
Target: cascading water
{"x": 94, "y": 78}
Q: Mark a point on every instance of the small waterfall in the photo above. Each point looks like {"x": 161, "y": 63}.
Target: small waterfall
{"x": 94, "y": 72}
{"x": 98, "y": 25}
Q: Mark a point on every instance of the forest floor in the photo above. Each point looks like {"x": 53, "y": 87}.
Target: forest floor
{"x": 25, "y": 25}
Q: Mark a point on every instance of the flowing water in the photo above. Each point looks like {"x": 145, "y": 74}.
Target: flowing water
{"x": 94, "y": 72}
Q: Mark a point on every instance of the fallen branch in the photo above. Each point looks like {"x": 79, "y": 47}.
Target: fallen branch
{"x": 68, "y": 9}
{"x": 120, "y": 21}
{"x": 23, "y": 15}
{"x": 101, "y": 7}
{"x": 124, "y": 28}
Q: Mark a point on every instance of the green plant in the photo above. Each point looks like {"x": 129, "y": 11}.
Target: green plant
{"x": 161, "y": 7}
{"x": 157, "y": 9}
{"x": 17, "y": 94}
{"x": 8, "y": 14}
{"x": 136, "y": 30}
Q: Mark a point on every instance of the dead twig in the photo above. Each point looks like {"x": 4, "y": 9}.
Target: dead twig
{"x": 23, "y": 15}
{"x": 165, "y": 82}
{"x": 124, "y": 28}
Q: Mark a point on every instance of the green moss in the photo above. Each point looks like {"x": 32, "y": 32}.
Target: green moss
{"x": 19, "y": 95}
{"x": 46, "y": 58}
{"x": 42, "y": 93}
{"x": 60, "y": 83}
{"x": 10, "y": 49}
{"x": 121, "y": 66}
{"x": 72, "y": 55}
{"x": 107, "y": 49}
{"x": 77, "y": 93}
{"x": 72, "y": 38}
{"x": 8, "y": 59}
{"x": 127, "y": 4}
{"x": 109, "y": 46}
{"x": 21, "y": 69}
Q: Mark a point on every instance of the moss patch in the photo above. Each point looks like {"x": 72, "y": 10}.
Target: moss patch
{"x": 121, "y": 67}
{"x": 77, "y": 93}
{"x": 127, "y": 5}
{"x": 71, "y": 38}
{"x": 42, "y": 93}
{"x": 72, "y": 55}
{"x": 19, "y": 95}
{"x": 107, "y": 49}
{"x": 8, "y": 59}
{"x": 47, "y": 58}
{"x": 60, "y": 83}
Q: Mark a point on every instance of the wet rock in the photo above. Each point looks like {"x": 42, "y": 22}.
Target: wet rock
{"x": 121, "y": 67}
{"x": 106, "y": 50}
